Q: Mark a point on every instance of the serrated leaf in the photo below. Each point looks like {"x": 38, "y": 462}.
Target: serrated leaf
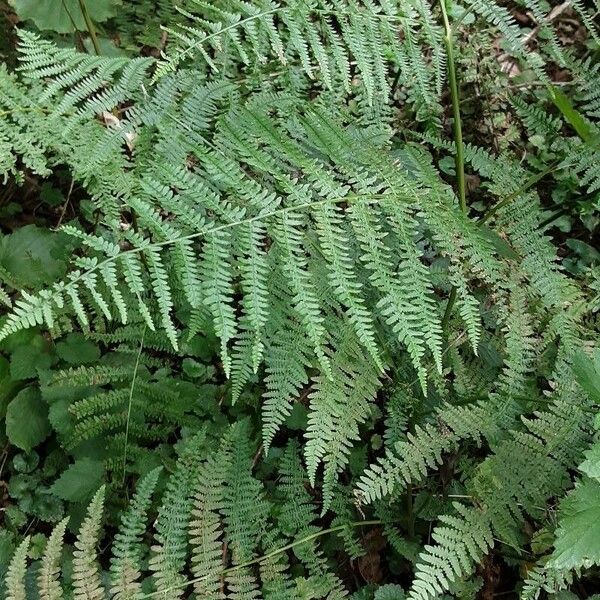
{"x": 80, "y": 481}
{"x": 390, "y": 591}
{"x": 27, "y": 419}
{"x": 591, "y": 465}
{"x": 578, "y": 536}
{"x": 587, "y": 373}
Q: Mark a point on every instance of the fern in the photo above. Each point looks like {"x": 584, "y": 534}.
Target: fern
{"x": 87, "y": 583}
{"x": 48, "y": 579}
{"x": 320, "y": 38}
{"x": 169, "y": 553}
{"x": 252, "y": 184}
{"x": 15, "y": 577}
{"x": 461, "y": 541}
{"x": 205, "y": 527}
{"x": 229, "y": 511}
{"x": 126, "y": 561}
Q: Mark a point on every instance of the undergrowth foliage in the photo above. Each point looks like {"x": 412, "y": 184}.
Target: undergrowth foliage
{"x": 252, "y": 183}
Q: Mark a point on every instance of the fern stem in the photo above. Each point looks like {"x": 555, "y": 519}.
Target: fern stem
{"x": 264, "y": 557}
{"x": 90, "y": 26}
{"x": 459, "y": 157}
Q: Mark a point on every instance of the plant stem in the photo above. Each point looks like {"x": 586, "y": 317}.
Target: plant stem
{"x": 410, "y": 514}
{"x": 130, "y": 403}
{"x": 90, "y": 26}
{"x": 459, "y": 157}
{"x": 449, "y": 307}
{"x": 264, "y": 557}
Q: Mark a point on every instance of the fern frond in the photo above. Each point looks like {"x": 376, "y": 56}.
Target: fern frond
{"x": 169, "y": 553}
{"x": 286, "y": 363}
{"x": 125, "y": 565}
{"x": 48, "y": 579}
{"x": 218, "y": 291}
{"x": 244, "y": 507}
{"x": 462, "y": 540}
{"x": 87, "y": 580}
{"x": 206, "y": 528}
{"x": 80, "y": 81}
{"x": 409, "y": 461}
{"x": 15, "y": 575}
{"x": 338, "y": 406}
{"x": 322, "y": 38}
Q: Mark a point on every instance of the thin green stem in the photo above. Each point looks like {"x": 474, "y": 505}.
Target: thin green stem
{"x": 90, "y": 26}
{"x": 410, "y": 513}
{"x": 459, "y": 157}
{"x": 264, "y": 557}
{"x": 130, "y": 402}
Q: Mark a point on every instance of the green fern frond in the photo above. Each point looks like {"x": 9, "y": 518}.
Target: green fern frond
{"x": 87, "y": 579}
{"x": 15, "y": 575}
{"x": 169, "y": 553}
{"x": 125, "y": 565}
{"x": 408, "y": 462}
{"x": 338, "y": 406}
{"x": 244, "y": 508}
{"x": 462, "y": 540}
{"x": 48, "y": 579}
{"x": 205, "y": 527}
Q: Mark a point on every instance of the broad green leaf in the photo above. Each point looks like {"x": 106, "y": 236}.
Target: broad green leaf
{"x": 298, "y": 417}
{"x": 63, "y": 16}
{"x": 502, "y": 246}
{"x": 578, "y": 536}
{"x": 588, "y": 254}
{"x": 26, "y": 360}
{"x": 27, "y": 419}
{"x": 587, "y": 373}
{"x": 60, "y": 418}
{"x": 18, "y": 339}
{"x": 80, "y": 481}
{"x": 591, "y": 465}
{"x": 542, "y": 541}
{"x": 197, "y": 370}
{"x": 77, "y": 350}
{"x": 32, "y": 256}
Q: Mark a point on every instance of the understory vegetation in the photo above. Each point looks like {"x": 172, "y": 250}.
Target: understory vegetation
{"x": 300, "y": 299}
